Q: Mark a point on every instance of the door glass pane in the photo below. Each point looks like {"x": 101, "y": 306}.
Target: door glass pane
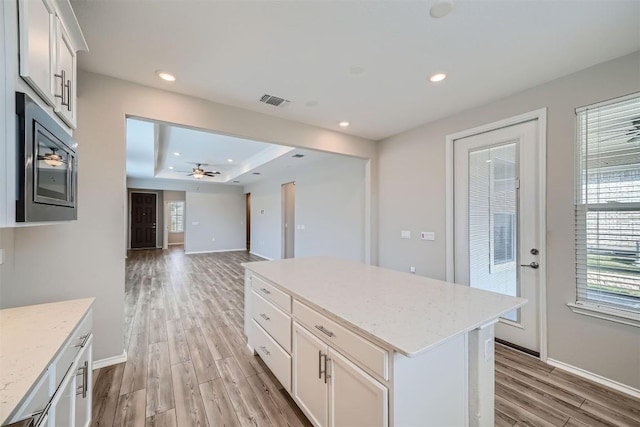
{"x": 493, "y": 221}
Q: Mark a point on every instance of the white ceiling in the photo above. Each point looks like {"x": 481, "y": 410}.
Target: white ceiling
{"x": 362, "y": 61}
{"x": 151, "y": 148}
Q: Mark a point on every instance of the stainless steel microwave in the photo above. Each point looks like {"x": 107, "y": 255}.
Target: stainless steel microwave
{"x": 47, "y": 164}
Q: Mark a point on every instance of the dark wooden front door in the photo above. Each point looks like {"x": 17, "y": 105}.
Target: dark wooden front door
{"x": 143, "y": 220}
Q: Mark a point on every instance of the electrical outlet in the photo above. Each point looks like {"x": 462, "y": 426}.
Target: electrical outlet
{"x": 1, "y": 256}
{"x": 412, "y": 269}
{"x": 405, "y": 234}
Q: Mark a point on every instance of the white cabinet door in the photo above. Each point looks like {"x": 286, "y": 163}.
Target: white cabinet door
{"x": 62, "y": 410}
{"x": 309, "y": 380}
{"x": 83, "y": 385}
{"x": 37, "y": 37}
{"x": 355, "y": 397}
{"x": 66, "y": 74}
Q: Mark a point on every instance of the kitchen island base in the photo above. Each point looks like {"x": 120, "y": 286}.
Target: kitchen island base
{"x": 348, "y": 366}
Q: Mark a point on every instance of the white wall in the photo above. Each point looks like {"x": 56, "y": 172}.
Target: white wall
{"x": 90, "y": 252}
{"x": 412, "y": 197}
{"x": 329, "y": 202}
{"x": 218, "y": 216}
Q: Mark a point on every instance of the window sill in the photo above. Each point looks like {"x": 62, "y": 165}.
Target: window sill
{"x": 606, "y": 313}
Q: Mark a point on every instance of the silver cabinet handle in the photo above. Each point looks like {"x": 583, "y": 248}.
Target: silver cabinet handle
{"x": 319, "y": 364}
{"x": 326, "y": 374}
{"x": 264, "y": 316}
{"x": 84, "y": 371}
{"x": 265, "y": 290}
{"x": 322, "y": 367}
{"x": 62, "y": 77}
{"x": 68, "y": 86}
{"x": 533, "y": 265}
{"x": 325, "y": 331}
{"x": 264, "y": 350}
{"x": 83, "y": 340}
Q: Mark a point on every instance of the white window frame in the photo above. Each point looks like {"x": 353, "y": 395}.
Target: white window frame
{"x": 592, "y": 306}
{"x": 171, "y": 229}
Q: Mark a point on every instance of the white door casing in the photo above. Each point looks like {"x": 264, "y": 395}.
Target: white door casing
{"x": 522, "y": 137}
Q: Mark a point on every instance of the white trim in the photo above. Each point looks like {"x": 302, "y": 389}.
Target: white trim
{"x": 606, "y": 313}
{"x": 623, "y": 388}
{"x": 173, "y": 244}
{"x": 607, "y": 102}
{"x": 261, "y": 256}
{"x": 108, "y": 361}
{"x": 217, "y": 250}
{"x": 540, "y": 116}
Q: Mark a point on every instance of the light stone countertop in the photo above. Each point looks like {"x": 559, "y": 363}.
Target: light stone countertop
{"x": 30, "y": 338}
{"x": 408, "y": 313}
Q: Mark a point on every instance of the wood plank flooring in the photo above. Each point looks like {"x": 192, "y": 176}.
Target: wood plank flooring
{"x": 188, "y": 364}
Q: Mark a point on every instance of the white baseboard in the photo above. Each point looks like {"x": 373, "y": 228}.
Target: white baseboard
{"x": 113, "y": 360}
{"x": 261, "y": 256}
{"x": 623, "y": 388}
{"x": 174, "y": 244}
{"x": 211, "y": 252}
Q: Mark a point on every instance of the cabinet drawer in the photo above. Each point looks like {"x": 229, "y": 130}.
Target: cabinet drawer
{"x": 68, "y": 353}
{"x": 272, "y": 319}
{"x": 271, "y": 293}
{"x": 360, "y": 349}
{"x": 278, "y": 360}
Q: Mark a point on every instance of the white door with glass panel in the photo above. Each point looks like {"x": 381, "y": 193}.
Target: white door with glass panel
{"x": 496, "y": 222}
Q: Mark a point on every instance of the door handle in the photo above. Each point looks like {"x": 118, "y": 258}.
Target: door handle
{"x": 533, "y": 265}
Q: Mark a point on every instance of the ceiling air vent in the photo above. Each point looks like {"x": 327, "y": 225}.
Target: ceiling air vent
{"x": 298, "y": 156}
{"x": 273, "y": 100}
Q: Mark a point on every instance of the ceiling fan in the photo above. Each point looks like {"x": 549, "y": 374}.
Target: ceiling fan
{"x": 198, "y": 172}
{"x": 52, "y": 159}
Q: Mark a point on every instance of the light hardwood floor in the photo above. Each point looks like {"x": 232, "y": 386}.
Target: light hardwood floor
{"x": 188, "y": 364}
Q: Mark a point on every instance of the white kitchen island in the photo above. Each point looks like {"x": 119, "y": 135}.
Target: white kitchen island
{"x": 359, "y": 345}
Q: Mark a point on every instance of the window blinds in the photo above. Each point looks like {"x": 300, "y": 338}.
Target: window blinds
{"x": 608, "y": 203}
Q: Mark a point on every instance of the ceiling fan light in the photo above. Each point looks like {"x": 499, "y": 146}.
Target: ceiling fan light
{"x": 198, "y": 175}
{"x": 53, "y": 160}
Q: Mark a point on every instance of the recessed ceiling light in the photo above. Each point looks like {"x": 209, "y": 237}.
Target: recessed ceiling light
{"x": 170, "y": 167}
{"x": 344, "y": 124}
{"x": 167, "y": 77}
{"x": 230, "y": 160}
{"x": 176, "y": 154}
{"x": 441, "y": 8}
{"x": 438, "y": 77}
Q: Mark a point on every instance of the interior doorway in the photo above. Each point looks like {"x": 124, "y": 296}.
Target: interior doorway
{"x": 248, "y": 221}
{"x": 143, "y": 220}
{"x": 288, "y": 219}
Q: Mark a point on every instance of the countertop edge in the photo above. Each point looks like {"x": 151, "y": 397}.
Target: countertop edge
{"x": 408, "y": 353}
{"x": 90, "y": 302}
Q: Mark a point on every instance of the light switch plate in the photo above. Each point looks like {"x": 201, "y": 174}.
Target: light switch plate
{"x": 1, "y": 256}
{"x": 427, "y": 235}
{"x": 405, "y": 234}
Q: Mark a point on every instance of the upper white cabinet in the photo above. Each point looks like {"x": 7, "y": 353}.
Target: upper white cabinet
{"x": 49, "y": 38}
{"x": 37, "y": 26}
